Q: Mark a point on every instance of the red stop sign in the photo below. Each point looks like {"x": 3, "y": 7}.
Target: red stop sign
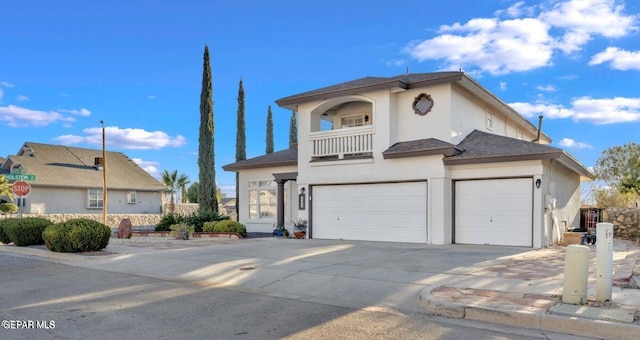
{"x": 21, "y": 188}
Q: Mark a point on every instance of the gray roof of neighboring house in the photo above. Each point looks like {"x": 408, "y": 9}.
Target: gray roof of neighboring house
{"x": 71, "y": 167}
{"x": 278, "y": 158}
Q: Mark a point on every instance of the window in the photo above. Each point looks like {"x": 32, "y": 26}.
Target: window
{"x": 95, "y": 198}
{"x": 262, "y": 199}
{"x": 132, "y": 197}
{"x": 489, "y": 120}
{"x": 352, "y": 121}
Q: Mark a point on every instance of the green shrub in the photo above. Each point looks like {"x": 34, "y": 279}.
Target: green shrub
{"x": 26, "y": 231}
{"x": 208, "y": 227}
{"x": 198, "y": 219}
{"x": 168, "y": 220}
{"x": 8, "y": 208}
{"x": 181, "y": 231}
{"x": 77, "y": 235}
{"x": 4, "y": 238}
{"x": 228, "y": 226}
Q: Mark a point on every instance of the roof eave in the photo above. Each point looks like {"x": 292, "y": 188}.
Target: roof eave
{"x": 235, "y": 167}
{"x": 292, "y": 101}
{"x": 501, "y": 159}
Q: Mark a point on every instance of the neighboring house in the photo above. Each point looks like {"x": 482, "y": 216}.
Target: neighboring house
{"x": 229, "y": 205}
{"x": 429, "y": 158}
{"x": 69, "y": 180}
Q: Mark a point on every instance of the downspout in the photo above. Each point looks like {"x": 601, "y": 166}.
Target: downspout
{"x": 537, "y": 140}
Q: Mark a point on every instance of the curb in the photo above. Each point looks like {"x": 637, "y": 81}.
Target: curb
{"x": 533, "y": 320}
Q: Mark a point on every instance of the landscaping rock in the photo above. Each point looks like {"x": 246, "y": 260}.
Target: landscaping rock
{"x": 125, "y": 228}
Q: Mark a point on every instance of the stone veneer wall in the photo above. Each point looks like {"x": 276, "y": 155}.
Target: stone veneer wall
{"x": 113, "y": 220}
{"x": 624, "y": 220}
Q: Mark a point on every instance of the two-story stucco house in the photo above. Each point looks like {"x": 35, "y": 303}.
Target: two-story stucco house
{"x": 429, "y": 158}
{"x": 70, "y": 180}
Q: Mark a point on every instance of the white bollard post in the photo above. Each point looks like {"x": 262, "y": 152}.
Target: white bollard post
{"x": 604, "y": 261}
{"x": 576, "y": 272}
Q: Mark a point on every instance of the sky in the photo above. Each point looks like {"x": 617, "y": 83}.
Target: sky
{"x": 137, "y": 65}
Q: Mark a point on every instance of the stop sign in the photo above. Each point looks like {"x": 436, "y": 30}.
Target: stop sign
{"x": 21, "y": 188}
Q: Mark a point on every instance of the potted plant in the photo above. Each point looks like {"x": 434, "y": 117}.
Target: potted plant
{"x": 279, "y": 231}
{"x": 300, "y": 228}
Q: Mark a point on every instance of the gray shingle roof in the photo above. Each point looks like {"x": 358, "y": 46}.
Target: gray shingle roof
{"x": 421, "y": 147}
{"x": 279, "y": 158}
{"x": 483, "y": 147}
{"x": 65, "y": 166}
{"x": 404, "y": 81}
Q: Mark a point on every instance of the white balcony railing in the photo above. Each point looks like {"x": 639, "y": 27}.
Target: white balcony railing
{"x": 341, "y": 142}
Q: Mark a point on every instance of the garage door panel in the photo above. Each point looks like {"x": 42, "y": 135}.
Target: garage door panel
{"x": 497, "y": 212}
{"x": 392, "y": 212}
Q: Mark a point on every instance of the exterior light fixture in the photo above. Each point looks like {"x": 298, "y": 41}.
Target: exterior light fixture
{"x": 538, "y": 183}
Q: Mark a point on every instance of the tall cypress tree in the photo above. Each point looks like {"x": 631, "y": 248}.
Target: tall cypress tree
{"x": 206, "y": 164}
{"x": 293, "y": 130}
{"x": 241, "y": 141}
{"x": 269, "y": 131}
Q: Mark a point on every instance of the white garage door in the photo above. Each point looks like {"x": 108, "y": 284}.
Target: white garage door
{"x": 391, "y": 212}
{"x": 496, "y": 212}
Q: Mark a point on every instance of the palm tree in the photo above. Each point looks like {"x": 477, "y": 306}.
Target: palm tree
{"x": 5, "y": 188}
{"x": 170, "y": 180}
{"x": 183, "y": 180}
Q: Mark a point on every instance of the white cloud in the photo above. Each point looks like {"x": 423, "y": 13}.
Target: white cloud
{"x": 547, "y": 88}
{"x": 503, "y": 85}
{"x": 587, "y": 109}
{"x": 618, "y": 59}
{"x": 526, "y": 41}
{"x": 5, "y": 84}
{"x": 149, "y": 166}
{"x": 135, "y": 139}
{"x": 581, "y": 19}
{"x": 570, "y": 143}
{"x": 151, "y": 97}
{"x": 1, "y": 94}
{"x": 22, "y": 98}
{"x": 82, "y": 112}
{"x": 497, "y": 47}
{"x": 15, "y": 116}
{"x": 550, "y": 111}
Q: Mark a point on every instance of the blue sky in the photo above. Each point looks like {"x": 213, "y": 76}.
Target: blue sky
{"x": 137, "y": 64}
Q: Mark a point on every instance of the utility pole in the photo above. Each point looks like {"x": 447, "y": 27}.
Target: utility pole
{"x": 104, "y": 178}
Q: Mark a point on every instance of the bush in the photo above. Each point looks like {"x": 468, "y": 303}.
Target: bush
{"x": 4, "y": 238}
{"x": 168, "y": 220}
{"x": 77, "y": 235}
{"x": 228, "y": 226}
{"x": 181, "y": 231}
{"x": 8, "y": 208}
{"x": 198, "y": 219}
{"x": 26, "y": 231}
{"x": 208, "y": 227}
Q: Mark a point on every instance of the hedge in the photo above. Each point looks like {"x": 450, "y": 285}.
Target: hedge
{"x": 26, "y": 231}
{"x": 77, "y": 235}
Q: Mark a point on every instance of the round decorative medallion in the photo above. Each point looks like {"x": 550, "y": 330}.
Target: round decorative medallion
{"x": 422, "y": 104}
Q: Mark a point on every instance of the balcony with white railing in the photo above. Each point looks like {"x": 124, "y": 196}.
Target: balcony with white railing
{"x": 341, "y": 143}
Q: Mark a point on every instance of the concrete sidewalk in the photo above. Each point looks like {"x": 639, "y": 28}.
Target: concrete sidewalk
{"x": 515, "y": 286}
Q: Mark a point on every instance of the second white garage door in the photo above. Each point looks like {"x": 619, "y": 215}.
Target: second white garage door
{"x": 496, "y": 212}
{"x": 391, "y": 212}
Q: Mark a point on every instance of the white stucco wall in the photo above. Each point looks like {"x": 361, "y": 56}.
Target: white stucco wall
{"x": 564, "y": 187}
{"x": 47, "y": 200}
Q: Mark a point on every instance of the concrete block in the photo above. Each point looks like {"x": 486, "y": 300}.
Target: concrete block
{"x": 514, "y": 318}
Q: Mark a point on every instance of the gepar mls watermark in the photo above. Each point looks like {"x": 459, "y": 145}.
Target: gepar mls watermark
{"x": 28, "y": 324}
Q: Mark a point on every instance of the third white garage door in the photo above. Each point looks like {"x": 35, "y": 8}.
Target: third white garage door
{"x": 391, "y": 212}
{"x": 494, "y": 212}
